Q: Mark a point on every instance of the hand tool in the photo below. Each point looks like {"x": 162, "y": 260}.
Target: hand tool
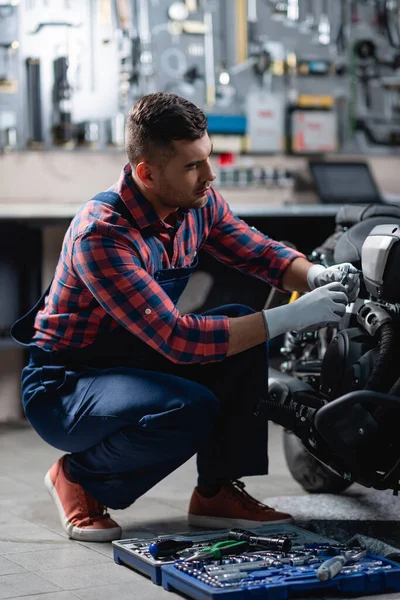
{"x": 283, "y": 544}
{"x": 218, "y": 550}
{"x": 345, "y": 274}
{"x": 168, "y": 546}
{"x": 331, "y": 567}
{"x": 34, "y": 104}
{"x": 253, "y": 566}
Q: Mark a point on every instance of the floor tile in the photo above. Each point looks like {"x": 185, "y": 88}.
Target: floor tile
{"x": 53, "y": 596}
{"x": 135, "y": 590}
{"x": 104, "y": 549}
{"x": 106, "y": 573}
{"x": 58, "y": 558}
{"x": 26, "y": 537}
{"x": 22, "y": 584}
{"x": 8, "y": 567}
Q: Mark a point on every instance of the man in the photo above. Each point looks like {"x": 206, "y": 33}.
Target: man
{"x": 121, "y": 381}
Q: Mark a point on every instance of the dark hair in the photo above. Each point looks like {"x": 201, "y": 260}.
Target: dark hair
{"x": 156, "y": 120}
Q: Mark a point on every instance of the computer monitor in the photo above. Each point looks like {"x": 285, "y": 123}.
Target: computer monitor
{"x": 345, "y": 183}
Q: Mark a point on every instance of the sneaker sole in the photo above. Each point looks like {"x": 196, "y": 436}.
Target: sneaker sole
{"x": 78, "y": 533}
{"x": 223, "y": 523}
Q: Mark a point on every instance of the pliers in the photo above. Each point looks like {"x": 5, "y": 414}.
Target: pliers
{"x": 218, "y": 550}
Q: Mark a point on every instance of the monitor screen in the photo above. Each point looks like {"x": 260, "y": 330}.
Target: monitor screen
{"x": 344, "y": 183}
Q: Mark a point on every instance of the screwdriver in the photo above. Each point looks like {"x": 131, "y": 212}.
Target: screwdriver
{"x": 168, "y": 546}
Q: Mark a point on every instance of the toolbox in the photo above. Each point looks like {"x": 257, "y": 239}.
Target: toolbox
{"x": 372, "y": 575}
{"x": 250, "y": 573}
{"x": 134, "y": 552}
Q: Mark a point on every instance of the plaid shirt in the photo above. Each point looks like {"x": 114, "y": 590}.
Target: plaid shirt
{"x": 104, "y": 277}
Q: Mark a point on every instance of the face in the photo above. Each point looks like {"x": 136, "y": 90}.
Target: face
{"x": 183, "y": 181}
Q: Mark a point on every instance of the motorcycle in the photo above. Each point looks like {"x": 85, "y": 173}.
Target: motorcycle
{"x": 338, "y": 393}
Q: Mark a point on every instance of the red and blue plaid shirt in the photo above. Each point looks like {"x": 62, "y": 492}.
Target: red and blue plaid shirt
{"x": 104, "y": 277}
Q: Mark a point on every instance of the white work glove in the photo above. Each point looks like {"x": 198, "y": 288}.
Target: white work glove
{"x": 318, "y": 275}
{"x": 323, "y": 306}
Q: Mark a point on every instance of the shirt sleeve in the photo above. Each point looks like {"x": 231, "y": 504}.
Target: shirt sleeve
{"x": 126, "y": 291}
{"x": 235, "y": 243}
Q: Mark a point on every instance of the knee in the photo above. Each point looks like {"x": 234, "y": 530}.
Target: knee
{"x": 203, "y": 408}
{"x": 191, "y": 414}
{"x": 200, "y": 415}
{"x": 199, "y": 410}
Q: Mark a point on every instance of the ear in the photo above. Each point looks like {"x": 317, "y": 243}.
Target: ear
{"x": 145, "y": 174}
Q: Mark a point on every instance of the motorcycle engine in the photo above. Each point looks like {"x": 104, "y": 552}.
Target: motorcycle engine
{"x": 350, "y": 357}
{"x": 355, "y": 431}
{"x": 348, "y": 363}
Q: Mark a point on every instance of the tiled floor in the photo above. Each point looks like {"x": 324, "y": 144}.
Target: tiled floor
{"x": 37, "y": 562}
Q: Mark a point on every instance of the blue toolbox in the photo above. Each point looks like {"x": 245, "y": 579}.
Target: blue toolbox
{"x": 256, "y": 575}
{"x": 135, "y": 552}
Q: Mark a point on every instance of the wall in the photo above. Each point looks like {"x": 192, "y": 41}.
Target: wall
{"x": 99, "y": 51}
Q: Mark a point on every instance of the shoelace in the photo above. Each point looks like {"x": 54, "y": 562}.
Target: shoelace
{"x": 92, "y": 507}
{"x": 239, "y": 494}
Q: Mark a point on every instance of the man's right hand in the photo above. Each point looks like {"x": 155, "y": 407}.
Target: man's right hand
{"x": 326, "y": 305}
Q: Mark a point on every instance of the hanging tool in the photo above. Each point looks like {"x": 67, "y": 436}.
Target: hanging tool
{"x": 7, "y": 83}
{"x": 168, "y": 546}
{"x": 282, "y": 544}
{"x": 332, "y": 567}
{"x": 218, "y": 550}
{"x": 324, "y": 26}
{"x": 40, "y": 26}
{"x": 308, "y": 24}
{"x": 62, "y": 100}
{"x": 34, "y": 103}
{"x": 209, "y": 60}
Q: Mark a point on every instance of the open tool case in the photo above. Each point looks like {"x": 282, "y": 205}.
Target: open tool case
{"x": 242, "y": 577}
{"x": 374, "y": 575}
{"x": 134, "y": 552}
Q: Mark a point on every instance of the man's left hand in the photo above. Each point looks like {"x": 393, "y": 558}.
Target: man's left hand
{"x": 318, "y": 275}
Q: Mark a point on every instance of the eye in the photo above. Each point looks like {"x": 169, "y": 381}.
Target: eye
{"x": 192, "y": 168}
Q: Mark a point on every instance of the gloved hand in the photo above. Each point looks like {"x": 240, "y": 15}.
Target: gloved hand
{"x": 318, "y": 275}
{"x": 323, "y": 306}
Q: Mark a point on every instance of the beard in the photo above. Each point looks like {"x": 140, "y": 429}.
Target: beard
{"x": 172, "y": 198}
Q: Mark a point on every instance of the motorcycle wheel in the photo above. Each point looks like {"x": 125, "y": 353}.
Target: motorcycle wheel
{"x": 312, "y": 475}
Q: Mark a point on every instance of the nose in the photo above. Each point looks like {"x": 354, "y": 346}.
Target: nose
{"x": 209, "y": 173}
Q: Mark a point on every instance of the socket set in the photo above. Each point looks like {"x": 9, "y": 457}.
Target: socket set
{"x": 277, "y": 576}
{"x": 134, "y": 552}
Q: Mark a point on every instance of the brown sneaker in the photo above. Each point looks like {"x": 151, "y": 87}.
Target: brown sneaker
{"x": 232, "y": 507}
{"x": 82, "y": 517}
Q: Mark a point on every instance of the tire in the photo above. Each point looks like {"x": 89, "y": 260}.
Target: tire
{"x": 312, "y": 475}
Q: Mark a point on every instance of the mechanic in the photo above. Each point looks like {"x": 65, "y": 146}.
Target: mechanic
{"x": 121, "y": 381}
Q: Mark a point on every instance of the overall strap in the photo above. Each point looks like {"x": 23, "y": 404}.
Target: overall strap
{"x": 199, "y": 220}
{"x": 114, "y": 200}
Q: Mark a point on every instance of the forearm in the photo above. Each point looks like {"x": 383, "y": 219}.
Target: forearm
{"x": 323, "y": 306}
{"x": 249, "y": 331}
{"x": 246, "y": 332}
{"x": 295, "y": 277}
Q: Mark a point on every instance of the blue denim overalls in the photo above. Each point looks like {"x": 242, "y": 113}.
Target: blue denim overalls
{"x": 129, "y": 417}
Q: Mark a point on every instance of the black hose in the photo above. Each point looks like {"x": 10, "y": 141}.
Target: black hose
{"x": 380, "y": 376}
